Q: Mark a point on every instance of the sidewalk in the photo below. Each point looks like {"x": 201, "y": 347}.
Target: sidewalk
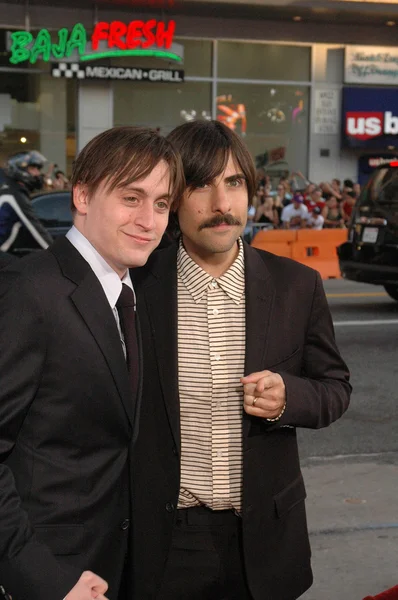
{"x": 352, "y": 509}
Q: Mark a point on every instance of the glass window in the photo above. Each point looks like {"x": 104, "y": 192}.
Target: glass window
{"x": 197, "y": 59}
{"x": 243, "y": 60}
{"x": 54, "y": 209}
{"x": 273, "y": 121}
{"x": 160, "y": 105}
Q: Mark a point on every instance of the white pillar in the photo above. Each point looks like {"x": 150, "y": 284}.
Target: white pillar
{"x": 52, "y": 107}
{"x": 95, "y": 110}
{"x": 328, "y": 74}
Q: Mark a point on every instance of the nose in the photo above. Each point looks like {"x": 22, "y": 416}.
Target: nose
{"x": 220, "y": 200}
{"x": 144, "y": 217}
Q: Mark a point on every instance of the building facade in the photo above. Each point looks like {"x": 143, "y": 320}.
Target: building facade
{"x": 281, "y": 84}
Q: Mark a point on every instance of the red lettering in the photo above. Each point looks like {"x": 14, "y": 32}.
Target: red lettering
{"x": 363, "y": 125}
{"x": 100, "y": 33}
{"x": 116, "y": 31}
{"x": 134, "y": 31}
{"x": 164, "y": 37}
{"x": 148, "y": 33}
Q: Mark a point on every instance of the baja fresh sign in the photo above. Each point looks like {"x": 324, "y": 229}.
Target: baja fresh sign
{"x": 137, "y": 38}
{"x": 371, "y": 64}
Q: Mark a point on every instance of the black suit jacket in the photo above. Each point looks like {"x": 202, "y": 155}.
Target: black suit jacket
{"x": 66, "y": 425}
{"x": 5, "y": 259}
{"x": 288, "y": 330}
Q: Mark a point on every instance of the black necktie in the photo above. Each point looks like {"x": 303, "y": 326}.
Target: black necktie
{"x": 126, "y": 309}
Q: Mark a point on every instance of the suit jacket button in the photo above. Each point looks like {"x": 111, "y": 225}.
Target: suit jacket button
{"x": 175, "y": 451}
{"x": 169, "y": 507}
{"x": 125, "y": 524}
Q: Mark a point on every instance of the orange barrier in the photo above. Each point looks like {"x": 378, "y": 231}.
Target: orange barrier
{"x": 316, "y": 249}
{"x": 275, "y": 235}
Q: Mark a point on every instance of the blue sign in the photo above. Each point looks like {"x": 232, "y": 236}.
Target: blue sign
{"x": 370, "y": 118}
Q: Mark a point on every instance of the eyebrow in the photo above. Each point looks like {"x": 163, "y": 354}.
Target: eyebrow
{"x": 234, "y": 177}
{"x": 143, "y": 192}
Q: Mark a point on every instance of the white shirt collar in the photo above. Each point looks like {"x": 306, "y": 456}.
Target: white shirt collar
{"x": 108, "y": 278}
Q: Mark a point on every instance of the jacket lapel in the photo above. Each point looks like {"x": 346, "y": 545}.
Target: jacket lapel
{"x": 159, "y": 291}
{"x": 260, "y": 295}
{"x": 90, "y": 301}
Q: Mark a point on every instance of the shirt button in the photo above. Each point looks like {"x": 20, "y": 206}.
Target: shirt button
{"x": 217, "y": 357}
{"x": 215, "y": 311}
{"x": 219, "y": 454}
{"x": 214, "y": 284}
{"x": 125, "y": 524}
{"x": 169, "y": 507}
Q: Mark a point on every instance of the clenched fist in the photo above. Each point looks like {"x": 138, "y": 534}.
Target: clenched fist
{"x": 264, "y": 394}
{"x": 89, "y": 586}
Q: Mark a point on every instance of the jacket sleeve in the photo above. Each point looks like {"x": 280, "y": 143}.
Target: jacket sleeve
{"x": 28, "y": 569}
{"x": 32, "y": 222}
{"x": 321, "y": 393}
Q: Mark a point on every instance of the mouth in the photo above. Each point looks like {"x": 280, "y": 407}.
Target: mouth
{"x": 221, "y": 226}
{"x": 140, "y": 239}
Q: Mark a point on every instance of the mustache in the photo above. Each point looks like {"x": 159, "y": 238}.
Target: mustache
{"x": 226, "y": 219}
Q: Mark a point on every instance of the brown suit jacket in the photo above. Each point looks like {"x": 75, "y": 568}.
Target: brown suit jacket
{"x": 288, "y": 330}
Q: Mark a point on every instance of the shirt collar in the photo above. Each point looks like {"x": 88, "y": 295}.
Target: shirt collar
{"x": 197, "y": 281}
{"x": 108, "y": 278}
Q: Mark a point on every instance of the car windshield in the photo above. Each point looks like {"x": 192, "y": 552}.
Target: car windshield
{"x": 381, "y": 192}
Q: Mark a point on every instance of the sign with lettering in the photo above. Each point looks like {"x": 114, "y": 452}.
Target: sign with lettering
{"x": 326, "y": 112}
{"x": 81, "y": 71}
{"x": 370, "y": 118}
{"x": 108, "y": 40}
{"x": 370, "y": 64}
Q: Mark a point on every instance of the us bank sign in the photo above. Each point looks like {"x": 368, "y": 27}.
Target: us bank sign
{"x": 371, "y": 64}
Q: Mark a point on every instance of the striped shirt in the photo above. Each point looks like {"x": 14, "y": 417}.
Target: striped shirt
{"x": 211, "y": 355}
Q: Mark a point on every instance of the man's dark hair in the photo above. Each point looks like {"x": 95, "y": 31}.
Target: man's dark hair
{"x": 122, "y": 155}
{"x": 205, "y": 147}
{"x": 348, "y": 183}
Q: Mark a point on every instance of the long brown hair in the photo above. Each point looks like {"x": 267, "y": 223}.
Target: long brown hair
{"x": 205, "y": 147}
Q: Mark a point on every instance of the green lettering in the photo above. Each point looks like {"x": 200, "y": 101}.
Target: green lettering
{"x": 19, "y": 51}
{"x": 42, "y": 46}
{"x": 78, "y": 39}
{"x": 58, "y": 50}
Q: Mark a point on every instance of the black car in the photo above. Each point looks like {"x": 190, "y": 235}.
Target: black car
{"x": 53, "y": 210}
{"x": 371, "y": 254}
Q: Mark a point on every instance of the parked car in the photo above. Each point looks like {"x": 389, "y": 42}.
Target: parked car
{"x": 53, "y": 210}
{"x": 371, "y": 253}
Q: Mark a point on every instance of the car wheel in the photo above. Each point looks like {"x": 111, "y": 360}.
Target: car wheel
{"x": 392, "y": 290}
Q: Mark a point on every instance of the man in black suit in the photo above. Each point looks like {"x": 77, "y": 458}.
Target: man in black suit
{"x": 71, "y": 380}
{"x": 5, "y": 259}
{"x": 244, "y": 354}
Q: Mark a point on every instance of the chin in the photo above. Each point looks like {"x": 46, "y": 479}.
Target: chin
{"x": 139, "y": 259}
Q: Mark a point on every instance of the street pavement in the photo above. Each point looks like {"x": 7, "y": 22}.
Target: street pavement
{"x": 351, "y": 468}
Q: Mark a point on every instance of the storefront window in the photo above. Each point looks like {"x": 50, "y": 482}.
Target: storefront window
{"x": 273, "y": 121}
{"x": 160, "y": 105}
{"x": 197, "y": 59}
{"x": 37, "y": 111}
{"x": 241, "y": 60}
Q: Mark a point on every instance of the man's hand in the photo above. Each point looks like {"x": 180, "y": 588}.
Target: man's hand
{"x": 264, "y": 394}
{"x": 89, "y": 586}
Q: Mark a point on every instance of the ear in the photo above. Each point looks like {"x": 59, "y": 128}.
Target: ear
{"x": 80, "y": 198}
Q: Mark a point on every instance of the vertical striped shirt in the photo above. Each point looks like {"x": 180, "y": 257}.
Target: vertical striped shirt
{"x": 211, "y": 355}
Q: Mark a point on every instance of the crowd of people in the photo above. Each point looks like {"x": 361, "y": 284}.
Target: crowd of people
{"x": 296, "y": 203}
